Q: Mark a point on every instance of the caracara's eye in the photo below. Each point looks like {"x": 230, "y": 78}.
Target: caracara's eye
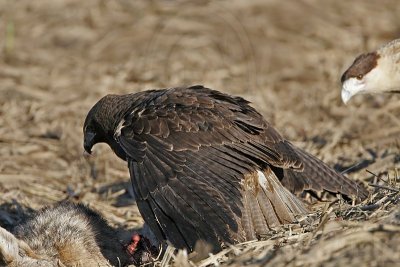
{"x": 359, "y": 76}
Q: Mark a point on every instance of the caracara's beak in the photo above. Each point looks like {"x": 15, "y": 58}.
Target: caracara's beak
{"x": 352, "y": 87}
{"x": 346, "y": 95}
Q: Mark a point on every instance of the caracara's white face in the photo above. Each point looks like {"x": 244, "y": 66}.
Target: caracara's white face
{"x": 375, "y": 72}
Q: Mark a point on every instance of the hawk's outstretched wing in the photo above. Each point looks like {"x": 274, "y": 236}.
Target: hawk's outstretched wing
{"x": 190, "y": 152}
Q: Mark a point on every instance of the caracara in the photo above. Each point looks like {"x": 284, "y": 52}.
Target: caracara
{"x": 207, "y": 166}
{"x": 373, "y": 72}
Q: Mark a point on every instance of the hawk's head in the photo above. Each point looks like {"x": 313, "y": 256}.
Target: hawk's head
{"x": 93, "y": 130}
{"x": 101, "y": 121}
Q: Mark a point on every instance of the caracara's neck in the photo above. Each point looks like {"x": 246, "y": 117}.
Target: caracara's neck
{"x": 389, "y": 66}
{"x": 390, "y": 54}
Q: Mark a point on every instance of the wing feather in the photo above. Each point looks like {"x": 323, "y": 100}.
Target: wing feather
{"x": 188, "y": 152}
{"x": 317, "y": 176}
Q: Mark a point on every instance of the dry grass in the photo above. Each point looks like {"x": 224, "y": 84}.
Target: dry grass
{"x": 57, "y": 58}
{"x": 340, "y": 235}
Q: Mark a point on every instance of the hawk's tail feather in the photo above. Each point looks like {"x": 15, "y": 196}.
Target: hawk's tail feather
{"x": 267, "y": 204}
{"x": 317, "y": 176}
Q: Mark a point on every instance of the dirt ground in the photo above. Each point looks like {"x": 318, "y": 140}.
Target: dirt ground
{"x": 57, "y": 58}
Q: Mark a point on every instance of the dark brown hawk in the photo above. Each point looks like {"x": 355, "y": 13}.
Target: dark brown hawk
{"x": 206, "y": 165}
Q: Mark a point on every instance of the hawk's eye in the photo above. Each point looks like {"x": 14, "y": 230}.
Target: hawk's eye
{"x": 359, "y": 76}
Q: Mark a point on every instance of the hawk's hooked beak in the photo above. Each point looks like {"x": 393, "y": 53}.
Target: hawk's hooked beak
{"x": 89, "y": 142}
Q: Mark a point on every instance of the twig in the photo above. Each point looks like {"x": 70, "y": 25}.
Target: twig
{"x": 384, "y": 187}
{"x": 376, "y": 176}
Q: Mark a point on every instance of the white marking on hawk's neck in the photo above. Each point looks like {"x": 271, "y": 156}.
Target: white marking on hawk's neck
{"x": 118, "y": 129}
{"x": 138, "y": 111}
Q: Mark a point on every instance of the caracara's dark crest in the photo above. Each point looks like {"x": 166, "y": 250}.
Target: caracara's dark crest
{"x": 206, "y": 165}
{"x": 361, "y": 66}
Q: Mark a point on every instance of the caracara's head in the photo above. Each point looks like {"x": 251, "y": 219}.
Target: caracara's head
{"x": 374, "y": 72}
